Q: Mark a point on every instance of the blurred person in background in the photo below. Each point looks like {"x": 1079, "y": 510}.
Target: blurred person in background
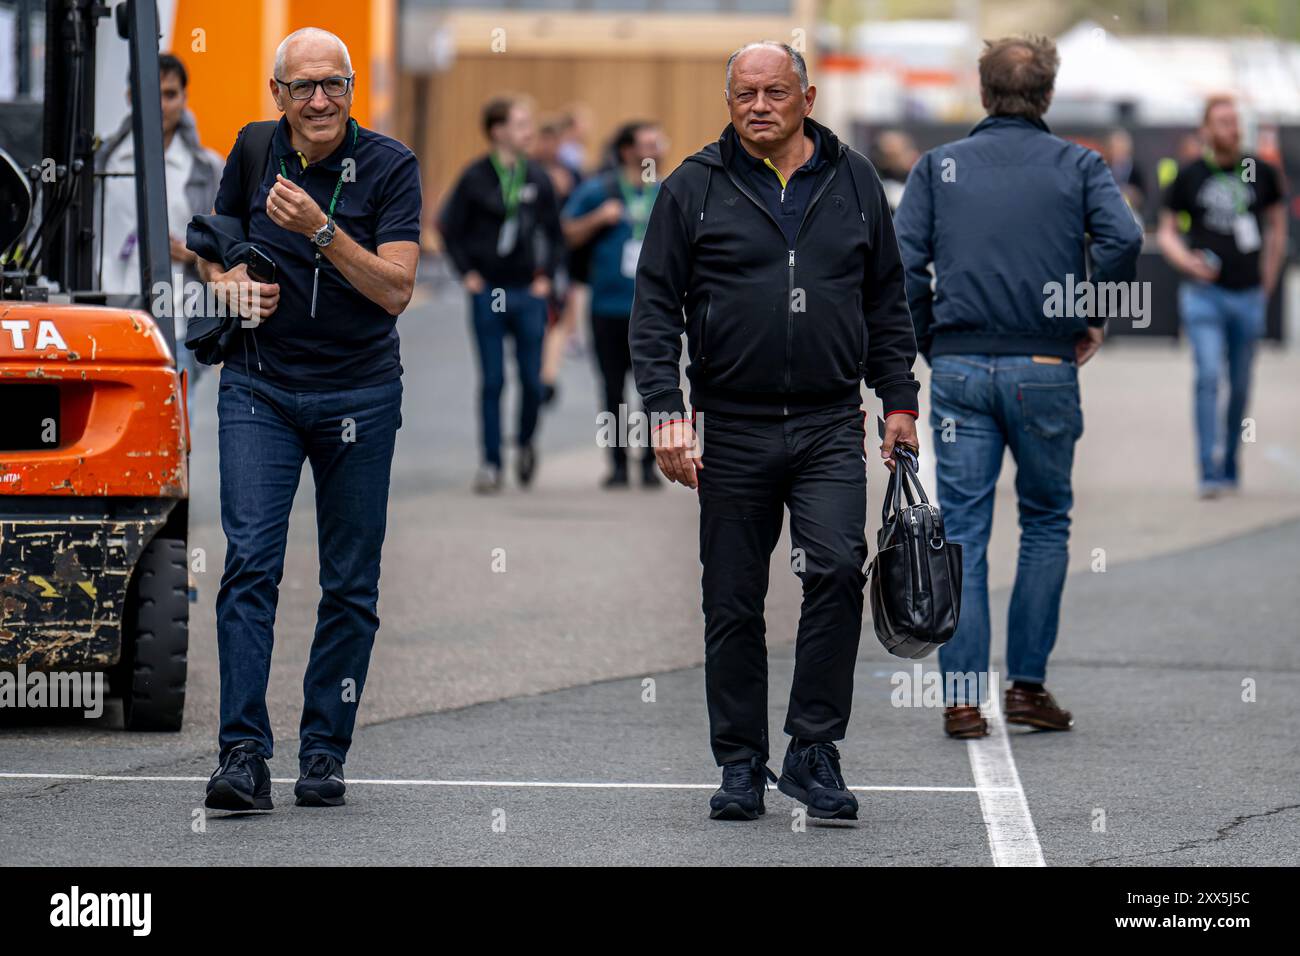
{"x": 192, "y": 173}
{"x": 563, "y": 305}
{"x": 1118, "y": 153}
{"x": 575, "y": 131}
{"x": 501, "y": 227}
{"x": 999, "y": 215}
{"x": 608, "y": 216}
{"x": 1230, "y": 254}
{"x": 896, "y": 154}
{"x": 546, "y": 152}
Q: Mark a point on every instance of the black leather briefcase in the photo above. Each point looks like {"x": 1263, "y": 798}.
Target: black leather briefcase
{"x": 915, "y": 576}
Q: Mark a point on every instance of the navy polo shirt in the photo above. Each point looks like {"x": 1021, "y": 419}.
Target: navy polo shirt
{"x": 352, "y": 341}
{"x": 787, "y": 203}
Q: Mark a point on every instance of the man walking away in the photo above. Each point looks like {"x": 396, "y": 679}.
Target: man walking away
{"x": 337, "y": 207}
{"x": 1001, "y": 215}
{"x": 775, "y": 246}
{"x": 501, "y": 227}
{"x": 609, "y": 213}
{"x": 1224, "y": 228}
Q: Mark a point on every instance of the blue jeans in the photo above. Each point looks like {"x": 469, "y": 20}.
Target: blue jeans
{"x": 1223, "y": 325}
{"x": 522, "y": 316}
{"x": 348, "y": 437}
{"x": 979, "y": 406}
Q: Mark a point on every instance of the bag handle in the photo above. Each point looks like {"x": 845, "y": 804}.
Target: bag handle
{"x": 901, "y": 481}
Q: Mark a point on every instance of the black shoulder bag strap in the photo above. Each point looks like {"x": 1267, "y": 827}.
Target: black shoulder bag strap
{"x": 254, "y": 154}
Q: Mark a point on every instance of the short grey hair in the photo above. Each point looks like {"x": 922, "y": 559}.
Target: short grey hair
{"x": 314, "y": 33}
{"x": 796, "y": 60}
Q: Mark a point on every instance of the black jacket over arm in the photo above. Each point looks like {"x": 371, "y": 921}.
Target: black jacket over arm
{"x": 771, "y": 329}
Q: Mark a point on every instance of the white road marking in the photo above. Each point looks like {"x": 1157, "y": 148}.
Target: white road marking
{"x": 1013, "y": 841}
{"x": 504, "y": 784}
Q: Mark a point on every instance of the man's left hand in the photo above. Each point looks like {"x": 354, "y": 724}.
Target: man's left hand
{"x": 900, "y": 429}
{"x": 1086, "y": 345}
{"x": 291, "y": 208}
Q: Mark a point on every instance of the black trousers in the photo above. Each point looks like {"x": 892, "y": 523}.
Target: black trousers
{"x": 753, "y": 469}
{"x": 614, "y": 362}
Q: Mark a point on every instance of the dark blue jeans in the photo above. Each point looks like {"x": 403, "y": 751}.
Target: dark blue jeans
{"x": 1223, "y": 326}
{"x": 981, "y": 405}
{"x": 348, "y": 437}
{"x": 522, "y": 316}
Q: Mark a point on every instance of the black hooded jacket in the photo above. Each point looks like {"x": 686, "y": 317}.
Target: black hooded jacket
{"x": 771, "y": 330}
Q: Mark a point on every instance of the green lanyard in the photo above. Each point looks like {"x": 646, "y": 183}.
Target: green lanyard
{"x": 512, "y": 183}
{"x": 638, "y": 207}
{"x": 1240, "y": 194}
{"x": 338, "y": 188}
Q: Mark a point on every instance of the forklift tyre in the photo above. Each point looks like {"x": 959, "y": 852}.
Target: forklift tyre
{"x": 155, "y": 638}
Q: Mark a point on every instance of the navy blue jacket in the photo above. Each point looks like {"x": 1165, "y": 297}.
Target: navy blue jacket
{"x": 1000, "y": 214}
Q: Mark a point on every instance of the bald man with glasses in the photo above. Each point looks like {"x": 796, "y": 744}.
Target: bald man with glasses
{"x": 316, "y": 377}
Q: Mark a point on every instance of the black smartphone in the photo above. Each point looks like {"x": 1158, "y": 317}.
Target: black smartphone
{"x": 261, "y": 267}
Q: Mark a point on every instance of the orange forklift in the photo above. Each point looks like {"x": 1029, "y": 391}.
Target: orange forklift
{"x": 94, "y": 435}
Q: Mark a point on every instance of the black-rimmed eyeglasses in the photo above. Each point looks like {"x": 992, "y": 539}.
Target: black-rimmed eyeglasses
{"x": 334, "y": 86}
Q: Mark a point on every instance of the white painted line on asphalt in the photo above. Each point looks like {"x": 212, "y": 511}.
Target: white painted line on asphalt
{"x": 503, "y": 784}
{"x": 1013, "y": 841}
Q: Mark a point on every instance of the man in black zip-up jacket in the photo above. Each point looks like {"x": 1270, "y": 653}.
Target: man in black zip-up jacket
{"x": 773, "y": 250}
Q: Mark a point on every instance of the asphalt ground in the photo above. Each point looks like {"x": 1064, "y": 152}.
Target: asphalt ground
{"x": 508, "y": 718}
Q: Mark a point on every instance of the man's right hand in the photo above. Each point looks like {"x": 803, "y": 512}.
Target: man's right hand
{"x": 677, "y": 453}
{"x": 1197, "y": 267}
{"x": 237, "y": 290}
{"x": 473, "y": 282}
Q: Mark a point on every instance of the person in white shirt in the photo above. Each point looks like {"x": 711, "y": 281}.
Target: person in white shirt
{"x": 193, "y": 174}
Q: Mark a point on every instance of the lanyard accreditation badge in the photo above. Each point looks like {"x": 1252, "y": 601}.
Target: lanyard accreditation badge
{"x": 638, "y": 206}
{"x": 512, "y": 184}
{"x": 1245, "y": 227}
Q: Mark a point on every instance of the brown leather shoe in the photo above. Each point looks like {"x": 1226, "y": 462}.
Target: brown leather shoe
{"x": 1036, "y": 709}
{"x": 964, "y": 722}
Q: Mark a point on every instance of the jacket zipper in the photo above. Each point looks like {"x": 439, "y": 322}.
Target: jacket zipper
{"x": 789, "y": 296}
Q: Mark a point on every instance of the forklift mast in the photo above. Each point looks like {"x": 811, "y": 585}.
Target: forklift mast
{"x": 69, "y": 138}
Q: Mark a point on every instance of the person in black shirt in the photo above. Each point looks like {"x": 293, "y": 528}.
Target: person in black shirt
{"x": 501, "y": 227}
{"x": 1224, "y": 228}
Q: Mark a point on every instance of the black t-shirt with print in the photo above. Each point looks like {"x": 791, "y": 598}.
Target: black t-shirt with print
{"x": 1214, "y": 197}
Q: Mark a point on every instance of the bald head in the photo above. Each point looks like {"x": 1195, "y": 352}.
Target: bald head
{"x": 311, "y": 43}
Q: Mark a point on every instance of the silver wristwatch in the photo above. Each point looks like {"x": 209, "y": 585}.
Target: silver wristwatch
{"x": 325, "y": 234}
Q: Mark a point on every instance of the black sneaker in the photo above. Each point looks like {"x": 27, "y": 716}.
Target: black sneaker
{"x": 241, "y": 781}
{"x": 526, "y": 464}
{"x": 741, "y": 795}
{"x": 811, "y": 774}
{"x": 320, "y": 782}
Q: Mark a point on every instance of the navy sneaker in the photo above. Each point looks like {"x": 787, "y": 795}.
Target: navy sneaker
{"x": 811, "y": 774}
{"x": 241, "y": 780}
{"x": 320, "y": 783}
{"x": 741, "y": 795}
